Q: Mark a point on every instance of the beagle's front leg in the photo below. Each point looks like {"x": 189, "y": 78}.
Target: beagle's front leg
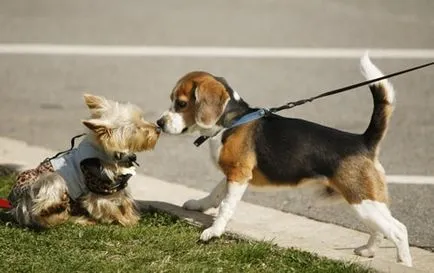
{"x": 235, "y": 191}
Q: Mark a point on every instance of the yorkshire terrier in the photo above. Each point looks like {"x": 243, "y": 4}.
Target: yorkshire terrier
{"x": 88, "y": 184}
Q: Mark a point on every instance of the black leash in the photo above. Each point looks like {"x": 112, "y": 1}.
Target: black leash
{"x": 290, "y": 105}
{"x": 70, "y": 149}
{"x": 262, "y": 112}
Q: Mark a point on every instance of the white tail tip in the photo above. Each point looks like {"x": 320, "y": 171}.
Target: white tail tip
{"x": 370, "y": 71}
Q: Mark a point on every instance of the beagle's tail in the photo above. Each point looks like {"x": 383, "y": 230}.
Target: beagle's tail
{"x": 384, "y": 97}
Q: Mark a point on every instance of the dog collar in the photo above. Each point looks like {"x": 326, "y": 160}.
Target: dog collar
{"x": 97, "y": 180}
{"x": 242, "y": 120}
{"x": 120, "y": 183}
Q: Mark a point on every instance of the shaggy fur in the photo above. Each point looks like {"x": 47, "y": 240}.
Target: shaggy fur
{"x": 41, "y": 197}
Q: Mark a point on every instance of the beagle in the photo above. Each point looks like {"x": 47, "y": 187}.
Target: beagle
{"x": 278, "y": 151}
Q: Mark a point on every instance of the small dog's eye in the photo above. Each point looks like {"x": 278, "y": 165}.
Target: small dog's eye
{"x": 181, "y": 104}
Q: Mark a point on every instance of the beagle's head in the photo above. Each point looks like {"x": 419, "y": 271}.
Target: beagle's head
{"x": 198, "y": 102}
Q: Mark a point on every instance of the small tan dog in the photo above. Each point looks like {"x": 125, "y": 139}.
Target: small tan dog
{"x": 89, "y": 181}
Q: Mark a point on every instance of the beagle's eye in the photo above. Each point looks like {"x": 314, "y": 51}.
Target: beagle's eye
{"x": 180, "y": 104}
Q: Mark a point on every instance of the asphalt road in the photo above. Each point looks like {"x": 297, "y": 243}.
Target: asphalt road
{"x": 40, "y": 96}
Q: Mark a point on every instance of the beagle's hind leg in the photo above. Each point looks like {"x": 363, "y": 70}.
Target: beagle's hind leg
{"x": 377, "y": 217}
{"x": 363, "y": 184}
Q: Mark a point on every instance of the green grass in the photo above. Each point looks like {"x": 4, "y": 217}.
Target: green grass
{"x": 6, "y": 183}
{"x": 160, "y": 243}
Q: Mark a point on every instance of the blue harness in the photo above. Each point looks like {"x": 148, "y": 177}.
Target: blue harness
{"x": 244, "y": 119}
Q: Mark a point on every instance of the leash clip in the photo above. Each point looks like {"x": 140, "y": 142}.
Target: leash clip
{"x": 200, "y": 140}
{"x": 267, "y": 112}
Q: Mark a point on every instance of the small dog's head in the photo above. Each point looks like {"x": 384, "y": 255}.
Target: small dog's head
{"x": 119, "y": 127}
{"x": 198, "y": 102}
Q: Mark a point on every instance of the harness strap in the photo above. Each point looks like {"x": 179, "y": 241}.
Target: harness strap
{"x": 244, "y": 119}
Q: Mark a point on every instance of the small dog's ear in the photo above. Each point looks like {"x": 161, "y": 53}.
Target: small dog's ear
{"x": 94, "y": 102}
{"x": 101, "y": 128}
{"x": 97, "y": 105}
{"x": 211, "y": 99}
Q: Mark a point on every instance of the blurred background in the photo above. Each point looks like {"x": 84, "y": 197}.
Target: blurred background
{"x": 41, "y": 88}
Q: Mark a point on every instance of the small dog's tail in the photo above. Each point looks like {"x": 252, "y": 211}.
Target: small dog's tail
{"x": 384, "y": 97}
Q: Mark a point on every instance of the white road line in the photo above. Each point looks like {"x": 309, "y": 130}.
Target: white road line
{"x": 214, "y": 52}
{"x": 410, "y": 179}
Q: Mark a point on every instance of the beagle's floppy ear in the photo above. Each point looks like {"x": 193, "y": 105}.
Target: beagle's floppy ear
{"x": 211, "y": 99}
{"x": 96, "y": 104}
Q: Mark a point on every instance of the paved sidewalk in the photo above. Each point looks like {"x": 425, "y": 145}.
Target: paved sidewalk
{"x": 250, "y": 220}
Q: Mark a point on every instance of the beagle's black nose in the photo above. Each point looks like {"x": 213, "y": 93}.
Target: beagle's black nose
{"x": 160, "y": 122}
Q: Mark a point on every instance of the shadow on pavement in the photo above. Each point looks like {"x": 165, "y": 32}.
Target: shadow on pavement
{"x": 195, "y": 217}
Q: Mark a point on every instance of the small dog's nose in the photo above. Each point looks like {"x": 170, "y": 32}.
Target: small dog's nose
{"x": 160, "y": 122}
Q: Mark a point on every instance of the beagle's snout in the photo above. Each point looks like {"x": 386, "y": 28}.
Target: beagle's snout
{"x": 171, "y": 123}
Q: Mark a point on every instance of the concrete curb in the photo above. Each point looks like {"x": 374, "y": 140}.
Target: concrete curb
{"x": 252, "y": 221}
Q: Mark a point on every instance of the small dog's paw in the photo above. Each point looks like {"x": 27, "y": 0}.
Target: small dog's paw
{"x": 84, "y": 221}
{"x": 211, "y": 232}
{"x": 365, "y": 251}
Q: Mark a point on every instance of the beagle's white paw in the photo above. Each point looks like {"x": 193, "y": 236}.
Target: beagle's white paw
{"x": 210, "y": 233}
